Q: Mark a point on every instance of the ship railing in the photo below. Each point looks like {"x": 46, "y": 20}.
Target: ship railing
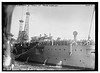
{"x": 85, "y": 42}
{"x": 60, "y": 43}
{"x": 55, "y": 43}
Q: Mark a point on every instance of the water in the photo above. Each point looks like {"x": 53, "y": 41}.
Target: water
{"x": 33, "y": 66}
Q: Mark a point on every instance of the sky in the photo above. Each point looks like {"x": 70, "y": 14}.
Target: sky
{"x": 61, "y": 20}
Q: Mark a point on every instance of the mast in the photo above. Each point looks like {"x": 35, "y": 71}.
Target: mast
{"x": 20, "y": 28}
{"x": 26, "y": 27}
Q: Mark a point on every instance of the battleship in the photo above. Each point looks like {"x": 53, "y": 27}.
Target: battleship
{"x": 49, "y": 51}
{"x": 66, "y": 52}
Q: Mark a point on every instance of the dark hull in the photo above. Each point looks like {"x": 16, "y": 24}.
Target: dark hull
{"x": 82, "y": 56}
{"x": 22, "y": 47}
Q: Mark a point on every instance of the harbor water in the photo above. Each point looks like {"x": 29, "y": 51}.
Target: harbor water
{"x": 20, "y": 66}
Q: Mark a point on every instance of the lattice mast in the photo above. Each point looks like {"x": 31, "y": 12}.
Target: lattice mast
{"x": 26, "y": 27}
{"x": 20, "y": 28}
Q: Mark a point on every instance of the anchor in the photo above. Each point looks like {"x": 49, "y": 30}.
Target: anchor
{"x": 70, "y": 52}
{"x": 59, "y": 65}
{"x": 45, "y": 61}
{"x": 27, "y": 59}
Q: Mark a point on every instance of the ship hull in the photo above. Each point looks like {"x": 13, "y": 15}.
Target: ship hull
{"x": 22, "y": 47}
{"x": 81, "y": 56}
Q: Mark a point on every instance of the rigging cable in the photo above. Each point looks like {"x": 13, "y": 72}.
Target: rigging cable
{"x": 91, "y": 23}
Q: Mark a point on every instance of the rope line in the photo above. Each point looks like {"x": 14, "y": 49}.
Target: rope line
{"x": 91, "y": 22}
{"x": 26, "y": 51}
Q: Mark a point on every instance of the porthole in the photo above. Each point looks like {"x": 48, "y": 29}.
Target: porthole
{"x": 48, "y": 49}
{"x": 56, "y": 58}
{"x": 80, "y": 60}
{"x": 55, "y": 49}
{"x": 65, "y": 59}
{"x": 64, "y": 49}
{"x": 83, "y": 63}
{"x": 81, "y": 50}
{"x": 75, "y": 49}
